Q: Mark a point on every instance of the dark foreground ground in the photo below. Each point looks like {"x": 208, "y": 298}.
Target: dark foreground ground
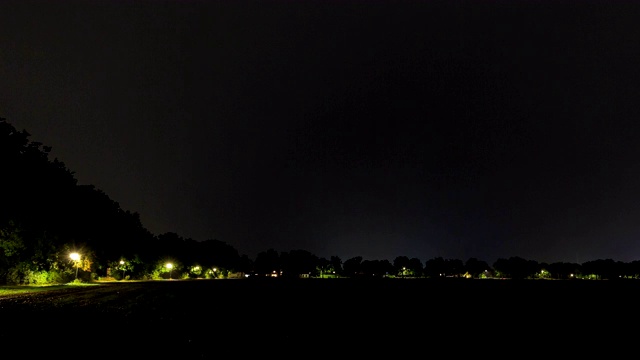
{"x": 325, "y": 318}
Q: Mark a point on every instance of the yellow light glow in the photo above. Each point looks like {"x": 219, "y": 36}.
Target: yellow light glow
{"x": 75, "y": 257}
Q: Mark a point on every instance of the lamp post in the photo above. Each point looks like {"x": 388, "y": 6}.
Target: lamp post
{"x": 123, "y": 268}
{"x": 76, "y": 258}
{"x": 170, "y": 267}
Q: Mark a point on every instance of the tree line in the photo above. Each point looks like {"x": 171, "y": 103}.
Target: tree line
{"x": 46, "y": 215}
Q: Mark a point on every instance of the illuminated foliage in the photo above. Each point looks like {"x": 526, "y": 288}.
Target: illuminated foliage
{"x": 195, "y": 271}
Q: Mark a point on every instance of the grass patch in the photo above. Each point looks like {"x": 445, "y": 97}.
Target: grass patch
{"x": 22, "y": 289}
{"x": 25, "y": 289}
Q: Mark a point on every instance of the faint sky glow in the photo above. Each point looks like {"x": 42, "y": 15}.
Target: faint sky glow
{"x": 382, "y": 129}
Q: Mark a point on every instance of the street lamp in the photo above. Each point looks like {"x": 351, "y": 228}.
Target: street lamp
{"x": 170, "y": 267}
{"x": 75, "y": 257}
{"x": 123, "y": 268}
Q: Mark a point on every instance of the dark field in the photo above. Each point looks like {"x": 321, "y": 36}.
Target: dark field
{"x": 330, "y": 318}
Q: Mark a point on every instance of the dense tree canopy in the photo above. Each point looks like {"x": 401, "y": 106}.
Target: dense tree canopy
{"x": 46, "y": 214}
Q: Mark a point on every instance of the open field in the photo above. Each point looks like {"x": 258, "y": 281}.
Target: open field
{"x": 211, "y": 318}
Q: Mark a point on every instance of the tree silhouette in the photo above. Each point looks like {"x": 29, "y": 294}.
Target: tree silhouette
{"x": 45, "y": 215}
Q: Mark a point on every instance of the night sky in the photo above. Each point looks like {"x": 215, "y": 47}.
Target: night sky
{"x": 453, "y": 129}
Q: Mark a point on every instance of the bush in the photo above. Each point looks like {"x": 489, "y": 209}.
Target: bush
{"x": 42, "y": 277}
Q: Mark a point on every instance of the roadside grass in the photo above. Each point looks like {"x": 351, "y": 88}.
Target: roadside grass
{"x": 9, "y": 290}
